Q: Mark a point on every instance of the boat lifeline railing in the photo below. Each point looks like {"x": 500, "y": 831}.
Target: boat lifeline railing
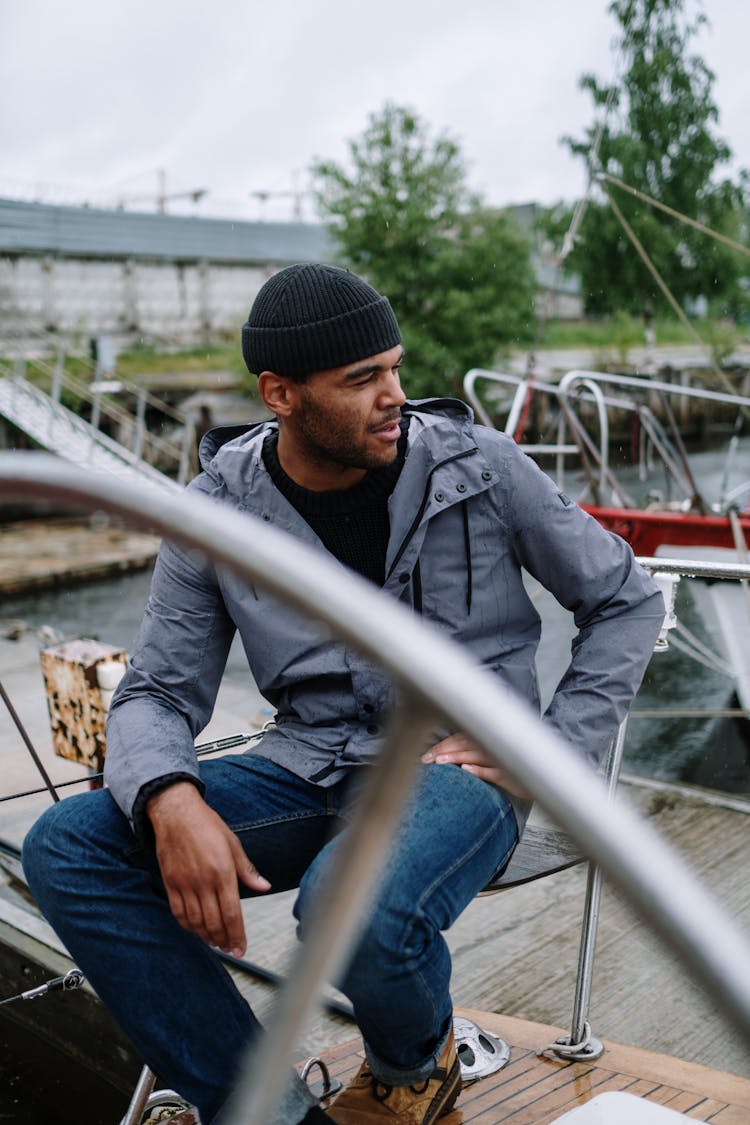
{"x": 573, "y": 439}
{"x": 606, "y": 392}
{"x": 435, "y": 679}
{"x": 597, "y": 381}
{"x": 581, "y": 1045}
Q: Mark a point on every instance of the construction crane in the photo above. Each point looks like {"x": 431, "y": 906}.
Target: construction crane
{"x": 296, "y": 193}
{"x": 162, "y": 196}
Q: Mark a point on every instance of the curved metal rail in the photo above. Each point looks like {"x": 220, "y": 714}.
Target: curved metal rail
{"x": 435, "y": 678}
{"x": 641, "y": 383}
{"x": 573, "y": 440}
{"x": 604, "y": 391}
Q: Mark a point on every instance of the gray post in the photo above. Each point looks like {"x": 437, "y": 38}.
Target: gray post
{"x": 188, "y": 439}
{"x": 57, "y": 375}
{"x": 581, "y": 1045}
{"x": 140, "y": 1097}
{"x": 140, "y": 424}
{"x": 97, "y": 404}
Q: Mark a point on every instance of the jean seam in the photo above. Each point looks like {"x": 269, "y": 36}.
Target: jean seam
{"x": 501, "y": 815}
{"x": 419, "y": 1074}
{"x": 287, "y": 818}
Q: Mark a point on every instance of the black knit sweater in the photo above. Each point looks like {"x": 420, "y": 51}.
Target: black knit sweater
{"x": 352, "y": 523}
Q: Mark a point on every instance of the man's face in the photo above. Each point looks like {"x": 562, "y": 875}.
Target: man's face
{"x": 344, "y": 422}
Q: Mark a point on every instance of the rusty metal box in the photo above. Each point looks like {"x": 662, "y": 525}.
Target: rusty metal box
{"x": 78, "y": 676}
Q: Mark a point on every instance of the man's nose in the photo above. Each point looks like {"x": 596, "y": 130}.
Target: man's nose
{"x": 392, "y": 394}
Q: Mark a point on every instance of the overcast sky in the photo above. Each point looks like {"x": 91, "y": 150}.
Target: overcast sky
{"x": 238, "y": 96}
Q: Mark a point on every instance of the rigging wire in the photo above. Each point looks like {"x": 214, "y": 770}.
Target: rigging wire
{"x": 720, "y": 375}
{"x": 29, "y": 744}
{"x": 718, "y": 663}
{"x": 74, "y": 978}
{"x": 687, "y": 650}
{"x": 571, "y": 235}
{"x": 602, "y": 177}
{"x": 730, "y": 242}
{"x": 214, "y": 747}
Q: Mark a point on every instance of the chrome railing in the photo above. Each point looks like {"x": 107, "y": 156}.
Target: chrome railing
{"x": 436, "y": 678}
{"x": 581, "y": 1045}
{"x": 587, "y": 442}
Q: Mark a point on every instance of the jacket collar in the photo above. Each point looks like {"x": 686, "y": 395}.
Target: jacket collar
{"x": 443, "y": 467}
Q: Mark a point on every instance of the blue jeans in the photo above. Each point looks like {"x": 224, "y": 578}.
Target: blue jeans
{"x": 101, "y": 890}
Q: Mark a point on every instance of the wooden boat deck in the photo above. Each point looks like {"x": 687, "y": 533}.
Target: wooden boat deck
{"x": 535, "y": 1091}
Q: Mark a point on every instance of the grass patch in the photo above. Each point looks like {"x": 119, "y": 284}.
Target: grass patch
{"x": 607, "y": 332}
{"x": 151, "y": 361}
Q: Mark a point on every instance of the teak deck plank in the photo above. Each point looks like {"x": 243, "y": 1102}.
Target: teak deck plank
{"x": 730, "y": 1115}
{"x": 705, "y": 1109}
{"x": 534, "y": 1090}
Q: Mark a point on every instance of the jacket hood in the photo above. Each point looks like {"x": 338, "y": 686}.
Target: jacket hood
{"x": 213, "y": 439}
{"x": 452, "y": 408}
{"x": 433, "y": 408}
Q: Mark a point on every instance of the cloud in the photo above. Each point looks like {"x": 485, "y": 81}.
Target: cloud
{"x": 239, "y": 96}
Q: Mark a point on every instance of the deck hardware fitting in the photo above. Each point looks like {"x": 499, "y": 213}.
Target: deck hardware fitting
{"x": 326, "y": 1086}
{"x": 586, "y": 1050}
{"x": 480, "y": 1053}
{"x": 74, "y": 978}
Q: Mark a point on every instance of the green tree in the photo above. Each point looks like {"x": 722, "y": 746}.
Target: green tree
{"x": 658, "y": 136}
{"x": 457, "y": 274}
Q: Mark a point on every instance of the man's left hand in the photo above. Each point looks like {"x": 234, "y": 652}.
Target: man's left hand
{"x": 458, "y": 750}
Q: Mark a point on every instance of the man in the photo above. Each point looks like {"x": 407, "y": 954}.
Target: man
{"x": 142, "y": 879}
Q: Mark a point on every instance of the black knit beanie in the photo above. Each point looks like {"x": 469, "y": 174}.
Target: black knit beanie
{"x": 313, "y": 317}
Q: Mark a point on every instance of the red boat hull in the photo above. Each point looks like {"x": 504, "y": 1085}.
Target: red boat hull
{"x": 646, "y": 530}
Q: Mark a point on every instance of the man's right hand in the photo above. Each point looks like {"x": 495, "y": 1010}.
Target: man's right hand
{"x": 201, "y": 862}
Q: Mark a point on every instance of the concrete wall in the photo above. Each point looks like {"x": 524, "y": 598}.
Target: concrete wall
{"x": 186, "y": 302}
{"x": 90, "y": 272}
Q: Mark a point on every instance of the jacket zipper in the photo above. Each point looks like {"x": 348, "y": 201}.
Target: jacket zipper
{"x": 418, "y": 518}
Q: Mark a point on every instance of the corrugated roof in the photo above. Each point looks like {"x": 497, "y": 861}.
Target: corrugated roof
{"x": 87, "y": 232}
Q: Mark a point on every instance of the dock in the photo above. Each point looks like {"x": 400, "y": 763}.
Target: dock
{"x": 42, "y": 554}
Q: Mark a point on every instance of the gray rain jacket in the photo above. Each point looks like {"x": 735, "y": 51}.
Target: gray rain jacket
{"x": 469, "y": 510}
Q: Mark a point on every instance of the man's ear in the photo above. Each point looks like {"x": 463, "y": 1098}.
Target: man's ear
{"x": 278, "y": 393}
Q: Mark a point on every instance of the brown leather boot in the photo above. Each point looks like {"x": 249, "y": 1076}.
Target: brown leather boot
{"x": 367, "y": 1100}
